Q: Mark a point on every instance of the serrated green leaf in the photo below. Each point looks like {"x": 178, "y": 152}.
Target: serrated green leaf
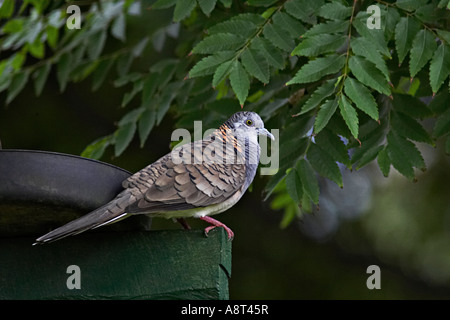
{"x": 289, "y": 24}
{"x": 207, "y": 6}
{"x": 240, "y": 27}
{"x": 123, "y": 64}
{"x": 267, "y": 14}
{"x": 272, "y": 54}
{"x": 368, "y": 156}
{"x": 324, "y": 115}
{"x": 333, "y": 145}
{"x": 409, "y": 128}
{"x": 145, "y": 125}
{"x": 13, "y": 26}
{"x": 392, "y": 16}
{"x": 316, "y": 69}
{"x": 334, "y": 10}
{"x": 269, "y": 109}
{"x": 410, "y": 5}
{"x": 363, "y": 47}
{"x": 404, "y": 155}
{"x": 319, "y": 44}
{"x": 362, "y": 97}
{"x": 447, "y": 142}
{"x": 123, "y": 137}
{"x": 405, "y": 31}
{"x": 164, "y": 4}
{"x": 255, "y": 18}
{"x": 131, "y": 116}
{"x": 261, "y": 3}
{"x": 183, "y": 9}
{"x": 298, "y": 127}
{"x": 256, "y": 65}
{"x": 443, "y": 35}
{"x": 7, "y": 8}
{"x": 40, "y": 77}
{"x": 139, "y": 47}
{"x": 411, "y": 106}
{"x": 442, "y": 4}
{"x": 137, "y": 87}
{"x": 118, "y": 27}
{"x": 281, "y": 201}
{"x": 96, "y": 149}
{"x": 100, "y": 73}
{"x": 83, "y": 70}
{"x": 222, "y": 72}
{"x": 442, "y": 125}
{"x": 371, "y": 135}
{"x": 375, "y": 36}
{"x": 308, "y": 180}
{"x": 290, "y": 212}
{"x": 366, "y": 72}
{"x": 5, "y": 80}
{"x": 349, "y": 114}
{"x": 168, "y": 94}
{"x": 166, "y": 69}
{"x": 439, "y": 103}
{"x": 274, "y": 182}
{"x": 384, "y": 162}
{"x": 209, "y": 64}
{"x": 439, "y": 67}
{"x": 18, "y": 82}
{"x": 37, "y": 49}
{"x": 422, "y": 50}
{"x": 239, "y": 82}
{"x": 329, "y": 27}
{"x": 278, "y": 37}
{"x": 226, "y": 3}
{"x": 294, "y": 186}
{"x": 17, "y": 60}
{"x": 324, "y": 164}
{"x": 219, "y": 42}
{"x": 303, "y": 10}
{"x": 291, "y": 151}
{"x": 322, "y": 92}
{"x": 63, "y": 70}
{"x": 149, "y": 88}
{"x": 95, "y": 44}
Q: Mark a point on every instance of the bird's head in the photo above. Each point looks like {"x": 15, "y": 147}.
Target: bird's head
{"x": 249, "y": 123}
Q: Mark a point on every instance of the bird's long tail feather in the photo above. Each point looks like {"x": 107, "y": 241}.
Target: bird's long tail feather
{"x": 111, "y": 212}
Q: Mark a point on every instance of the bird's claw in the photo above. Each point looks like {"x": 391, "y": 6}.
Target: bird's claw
{"x": 230, "y": 233}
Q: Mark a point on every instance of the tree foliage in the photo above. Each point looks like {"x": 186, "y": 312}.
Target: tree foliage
{"x": 341, "y": 92}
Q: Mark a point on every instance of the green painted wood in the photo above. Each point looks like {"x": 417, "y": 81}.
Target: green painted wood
{"x": 175, "y": 264}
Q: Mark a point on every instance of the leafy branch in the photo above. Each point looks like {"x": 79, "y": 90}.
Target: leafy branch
{"x": 357, "y": 94}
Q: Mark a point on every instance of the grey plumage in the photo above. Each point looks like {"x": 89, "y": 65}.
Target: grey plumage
{"x": 179, "y": 185}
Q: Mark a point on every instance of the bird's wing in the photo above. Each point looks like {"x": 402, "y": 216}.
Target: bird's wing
{"x": 172, "y": 184}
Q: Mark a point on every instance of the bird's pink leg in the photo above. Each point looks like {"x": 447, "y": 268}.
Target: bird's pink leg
{"x": 216, "y": 223}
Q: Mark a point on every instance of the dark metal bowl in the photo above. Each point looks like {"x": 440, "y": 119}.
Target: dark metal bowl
{"x": 42, "y": 190}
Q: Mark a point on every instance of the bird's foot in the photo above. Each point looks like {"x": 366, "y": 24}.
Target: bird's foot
{"x": 215, "y": 224}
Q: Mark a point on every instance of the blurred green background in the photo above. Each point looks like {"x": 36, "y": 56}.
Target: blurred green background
{"x": 402, "y": 227}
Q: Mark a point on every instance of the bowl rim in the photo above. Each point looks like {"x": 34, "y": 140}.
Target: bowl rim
{"x": 60, "y": 154}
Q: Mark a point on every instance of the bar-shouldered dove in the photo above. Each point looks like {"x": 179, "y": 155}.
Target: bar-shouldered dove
{"x": 197, "y": 180}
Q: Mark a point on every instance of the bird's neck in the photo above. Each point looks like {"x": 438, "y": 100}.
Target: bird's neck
{"x": 245, "y": 146}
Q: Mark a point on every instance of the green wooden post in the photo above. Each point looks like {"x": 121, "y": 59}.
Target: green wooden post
{"x": 175, "y": 264}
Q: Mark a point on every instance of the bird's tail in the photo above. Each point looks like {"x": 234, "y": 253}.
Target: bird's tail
{"x": 111, "y": 212}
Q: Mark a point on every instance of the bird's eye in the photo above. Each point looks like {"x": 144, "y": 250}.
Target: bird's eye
{"x": 249, "y": 122}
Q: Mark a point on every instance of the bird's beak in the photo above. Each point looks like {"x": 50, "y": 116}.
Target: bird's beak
{"x": 265, "y": 132}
